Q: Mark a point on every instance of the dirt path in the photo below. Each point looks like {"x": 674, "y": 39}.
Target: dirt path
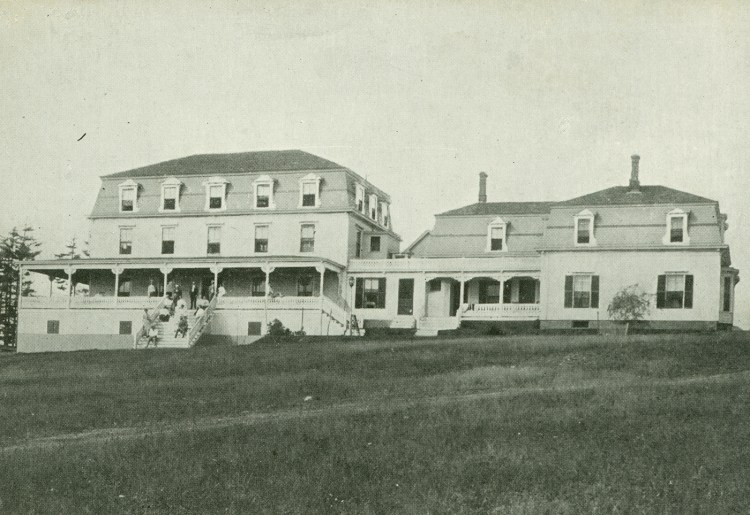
{"x": 346, "y": 408}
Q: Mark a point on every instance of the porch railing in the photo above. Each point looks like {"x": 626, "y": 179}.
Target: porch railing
{"x": 202, "y": 322}
{"x": 273, "y": 302}
{"x": 85, "y": 302}
{"x": 471, "y": 311}
{"x": 152, "y": 315}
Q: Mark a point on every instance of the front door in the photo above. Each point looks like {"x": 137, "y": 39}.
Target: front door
{"x": 405, "y": 296}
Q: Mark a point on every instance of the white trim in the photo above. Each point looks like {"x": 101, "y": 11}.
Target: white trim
{"x": 497, "y": 223}
{"x": 129, "y": 185}
{"x": 677, "y": 213}
{"x": 264, "y": 180}
{"x": 310, "y": 178}
{"x": 359, "y": 195}
{"x": 216, "y": 181}
{"x": 383, "y": 213}
{"x": 584, "y": 215}
{"x": 268, "y": 237}
{"x": 170, "y": 182}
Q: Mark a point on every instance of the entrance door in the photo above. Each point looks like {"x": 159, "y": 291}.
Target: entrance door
{"x": 405, "y": 296}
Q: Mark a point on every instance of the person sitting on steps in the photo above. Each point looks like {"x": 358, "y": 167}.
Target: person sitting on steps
{"x": 182, "y": 327}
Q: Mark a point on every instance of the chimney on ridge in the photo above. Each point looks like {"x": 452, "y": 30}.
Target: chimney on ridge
{"x": 482, "y": 187}
{"x": 635, "y": 184}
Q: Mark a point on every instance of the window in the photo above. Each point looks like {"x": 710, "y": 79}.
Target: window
{"x": 307, "y": 238}
{"x": 359, "y": 198}
{"x": 385, "y": 214}
{"x": 123, "y": 290}
{"x": 216, "y": 192}
{"x": 129, "y": 196}
{"x": 53, "y": 327}
{"x": 254, "y": 328}
{"x": 674, "y": 291}
{"x": 373, "y": 205}
{"x": 263, "y": 188}
{"x": 727, "y": 293}
{"x": 374, "y": 243}
{"x": 496, "y": 236}
{"x": 582, "y": 291}
{"x": 309, "y": 191}
{"x": 584, "y": 228}
{"x": 370, "y": 293}
{"x": 214, "y": 240}
{"x": 258, "y": 287}
{"x": 261, "y": 238}
{"x": 304, "y": 286}
{"x": 126, "y": 327}
{"x": 126, "y": 240}
{"x": 677, "y": 228}
{"x": 358, "y": 244}
{"x": 167, "y": 240}
{"x": 170, "y": 195}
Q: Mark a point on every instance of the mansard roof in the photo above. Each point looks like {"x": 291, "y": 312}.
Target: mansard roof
{"x": 623, "y": 195}
{"x": 242, "y": 162}
{"x": 501, "y": 208}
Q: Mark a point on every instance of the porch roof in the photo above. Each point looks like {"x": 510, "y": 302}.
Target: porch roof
{"x": 181, "y": 262}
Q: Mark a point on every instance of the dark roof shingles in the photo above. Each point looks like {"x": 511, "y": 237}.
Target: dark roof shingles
{"x": 619, "y": 195}
{"x": 242, "y": 162}
{"x": 501, "y": 208}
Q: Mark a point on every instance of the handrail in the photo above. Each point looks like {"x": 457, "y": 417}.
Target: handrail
{"x": 200, "y": 323}
{"x": 151, "y": 319}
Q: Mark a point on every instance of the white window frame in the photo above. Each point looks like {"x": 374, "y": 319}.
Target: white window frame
{"x": 122, "y": 228}
{"x": 268, "y": 237}
{"x": 359, "y": 199}
{"x": 129, "y": 185}
{"x": 174, "y": 239}
{"x": 385, "y": 214}
{"x": 216, "y": 181}
{"x": 315, "y": 181}
{"x": 372, "y": 207}
{"x": 168, "y": 184}
{"x": 677, "y": 213}
{"x": 264, "y": 180}
{"x": 208, "y": 238}
{"x": 584, "y": 215}
{"x": 302, "y": 225}
{"x": 497, "y": 223}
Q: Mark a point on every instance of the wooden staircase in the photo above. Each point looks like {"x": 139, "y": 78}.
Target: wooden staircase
{"x": 167, "y": 339}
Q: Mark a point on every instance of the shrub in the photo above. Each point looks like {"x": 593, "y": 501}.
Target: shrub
{"x": 629, "y": 305}
{"x": 276, "y": 328}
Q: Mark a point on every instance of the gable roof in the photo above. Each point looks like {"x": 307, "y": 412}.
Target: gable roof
{"x": 645, "y": 195}
{"x": 242, "y": 162}
{"x": 501, "y": 208}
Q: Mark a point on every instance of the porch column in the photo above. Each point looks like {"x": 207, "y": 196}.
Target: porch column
{"x": 461, "y": 292}
{"x": 117, "y": 271}
{"x": 70, "y": 271}
{"x": 322, "y": 271}
{"x": 216, "y": 269}
{"x": 166, "y": 270}
{"x": 267, "y": 269}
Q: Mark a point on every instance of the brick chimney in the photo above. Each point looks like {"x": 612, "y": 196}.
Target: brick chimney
{"x": 482, "y": 187}
{"x": 635, "y": 184}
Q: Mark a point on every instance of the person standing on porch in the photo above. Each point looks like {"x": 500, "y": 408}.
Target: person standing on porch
{"x": 193, "y": 295}
{"x": 151, "y": 289}
{"x": 170, "y": 288}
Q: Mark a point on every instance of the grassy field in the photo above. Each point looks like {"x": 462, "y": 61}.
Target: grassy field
{"x": 508, "y": 425}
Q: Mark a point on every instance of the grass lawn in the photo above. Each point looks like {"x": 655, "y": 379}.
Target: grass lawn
{"x": 508, "y": 425}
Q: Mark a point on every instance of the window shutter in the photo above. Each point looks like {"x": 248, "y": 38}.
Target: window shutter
{"x": 688, "y": 291}
{"x": 594, "y": 291}
{"x": 381, "y": 293}
{"x": 568, "y": 291}
{"x": 661, "y": 292}
{"x": 359, "y": 292}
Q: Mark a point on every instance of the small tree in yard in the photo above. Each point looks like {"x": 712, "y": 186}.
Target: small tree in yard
{"x": 630, "y": 304}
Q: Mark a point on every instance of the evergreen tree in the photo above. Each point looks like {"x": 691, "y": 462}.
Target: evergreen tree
{"x": 16, "y": 246}
{"x": 72, "y": 251}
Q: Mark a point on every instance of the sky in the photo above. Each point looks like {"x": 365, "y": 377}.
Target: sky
{"x": 549, "y": 98}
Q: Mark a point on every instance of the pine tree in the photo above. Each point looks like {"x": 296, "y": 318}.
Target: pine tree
{"x": 16, "y": 246}
{"x": 71, "y": 252}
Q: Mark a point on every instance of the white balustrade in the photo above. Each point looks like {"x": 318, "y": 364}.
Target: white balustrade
{"x": 496, "y": 311}
{"x": 273, "y": 303}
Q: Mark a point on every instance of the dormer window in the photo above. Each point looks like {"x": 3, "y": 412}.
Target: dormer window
{"x": 677, "y": 228}
{"x": 385, "y": 214}
{"x": 359, "y": 198}
{"x": 129, "y": 196}
{"x": 373, "y": 207}
{"x": 496, "y": 241}
{"x": 309, "y": 191}
{"x": 170, "y": 195}
{"x": 263, "y": 193}
{"x": 584, "y": 228}
{"x": 216, "y": 194}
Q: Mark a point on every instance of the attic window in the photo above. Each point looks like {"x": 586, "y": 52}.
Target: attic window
{"x": 170, "y": 195}
{"x": 373, "y": 205}
{"x": 359, "y": 198}
{"x": 496, "y": 232}
{"x": 263, "y": 193}
{"x": 309, "y": 191}
{"x": 129, "y": 197}
{"x": 216, "y": 193}
{"x": 584, "y": 228}
{"x": 677, "y": 228}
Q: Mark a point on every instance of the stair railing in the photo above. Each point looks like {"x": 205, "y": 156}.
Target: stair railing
{"x": 152, "y": 316}
{"x": 202, "y": 322}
